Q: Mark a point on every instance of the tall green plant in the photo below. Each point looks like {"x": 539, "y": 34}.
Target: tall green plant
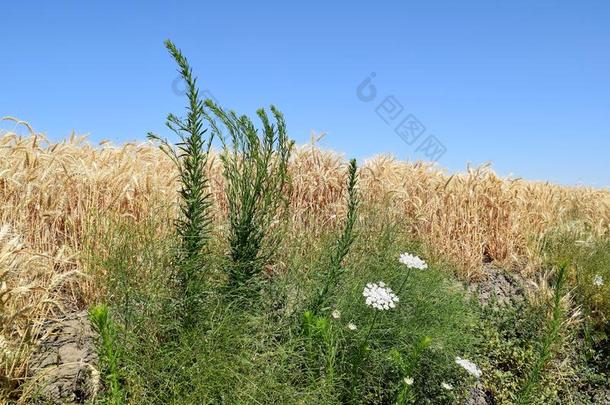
{"x": 551, "y": 337}
{"x": 341, "y": 249}
{"x": 256, "y": 174}
{"x": 100, "y": 317}
{"x": 191, "y": 157}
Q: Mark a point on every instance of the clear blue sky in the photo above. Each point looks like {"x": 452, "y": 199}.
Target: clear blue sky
{"x": 522, "y": 84}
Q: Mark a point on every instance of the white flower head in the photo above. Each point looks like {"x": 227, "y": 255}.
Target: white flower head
{"x": 352, "y": 327}
{"x": 380, "y": 297}
{"x": 409, "y": 381}
{"x": 413, "y": 262}
{"x": 336, "y": 314}
{"x": 470, "y": 367}
{"x": 447, "y": 387}
{"x": 598, "y": 281}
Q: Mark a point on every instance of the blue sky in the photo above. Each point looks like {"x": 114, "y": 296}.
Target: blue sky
{"x": 522, "y": 84}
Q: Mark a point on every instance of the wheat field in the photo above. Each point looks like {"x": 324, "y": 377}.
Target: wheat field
{"x": 50, "y": 192}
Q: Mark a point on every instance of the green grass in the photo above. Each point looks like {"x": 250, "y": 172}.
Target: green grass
{"x": 259, "y": 353}
{"x": 590, "y": 259}
{"x": 548, "y": 342}
{"x": 533, "y": 352}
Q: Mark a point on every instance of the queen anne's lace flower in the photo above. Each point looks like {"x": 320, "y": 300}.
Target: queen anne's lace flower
{"x": 379, "y": 296}
{"x": 447, "y": 387}
{"x": 470, "y": 367}
{"x": 598, "y": 281}
{"x": 409, "y": 381}
{"x": 336, "y": 314}
{"x": 413, "y": 262}
{"x": 352, "y": 327}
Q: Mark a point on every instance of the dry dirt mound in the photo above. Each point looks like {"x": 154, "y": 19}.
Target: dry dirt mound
{"x": 64, "y": 368}
{"x": 499, "y": 288}
{"x": 477, "y": 396}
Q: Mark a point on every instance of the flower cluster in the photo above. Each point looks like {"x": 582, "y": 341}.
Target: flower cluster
{"x": 413, "y": 262}
{"x": 379, "y": 296}
{"x": 598, "y": 281}
{"x": 470, "y": 367}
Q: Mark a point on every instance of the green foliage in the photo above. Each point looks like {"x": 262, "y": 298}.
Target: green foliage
{"x": 340, "y": 251}
{"x": 256, "y": 174}
{"x": 590, "y": 260}
{"x": 191, "y": 158}
{"x": 431, "y": 326}
{"x": 507, "y": 348}
{"x": 109, "y": 358}
{"x": 550, "y": 339}
{"x": 512, "y": 344}
{"x": 260, "y": 354}
{"x": 131, "y": 260}
{"x": 419, "y": 339}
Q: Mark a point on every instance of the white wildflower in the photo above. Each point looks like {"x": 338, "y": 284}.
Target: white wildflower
{"x": 380, "y": 297}
{"x": 336, "y": 314}
{"x": 447, "y": 387}
{"x": 409, "y": 381}
{"x": 470, "y": 367}
{"x": 352, "y": 327}
{"x": 413, "y": 262}
{"x": 598, "y": 281}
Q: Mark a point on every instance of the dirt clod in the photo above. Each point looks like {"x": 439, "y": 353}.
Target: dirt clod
{"x": 477, "y": 396}
{"x": 498, "y": 287}
{"x": 64, "y": 368}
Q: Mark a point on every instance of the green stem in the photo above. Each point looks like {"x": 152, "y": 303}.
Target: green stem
{"x": 404, "y": 283}
{"x": 361, "y": 348}
{"x": 551, "y": 338}
{"x": 366, "y": 338}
